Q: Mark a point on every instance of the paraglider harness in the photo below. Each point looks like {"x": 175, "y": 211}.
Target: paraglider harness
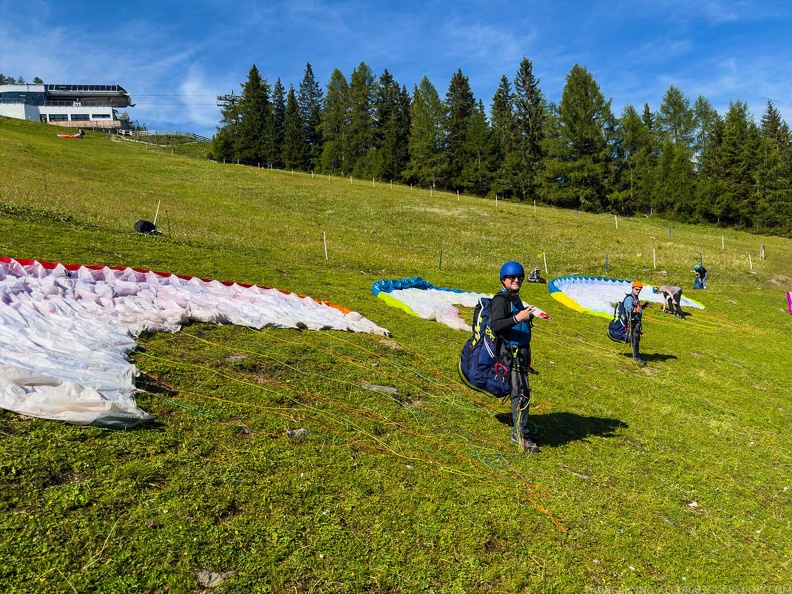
{"x": 480, "y": 367}
{"x": 625, "y": 323}
{"x": 487, "y": 360}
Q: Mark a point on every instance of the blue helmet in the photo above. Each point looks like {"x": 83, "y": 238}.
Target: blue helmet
{"x": 511, "y": 269}
{"x": 697, "y": 268}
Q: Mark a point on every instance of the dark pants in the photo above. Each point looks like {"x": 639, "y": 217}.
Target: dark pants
{"x": 673, "y": 302}
{"x": 635, "y": 339}
{"x": 521, "y": 388}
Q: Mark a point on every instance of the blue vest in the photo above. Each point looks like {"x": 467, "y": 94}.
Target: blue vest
{"x": 519, "y": 335}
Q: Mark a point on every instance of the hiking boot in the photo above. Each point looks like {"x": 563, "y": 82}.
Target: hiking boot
{"x": 640, "y": 362}
{"x": 526, "y": 443}
{"x": 530, "y": 446}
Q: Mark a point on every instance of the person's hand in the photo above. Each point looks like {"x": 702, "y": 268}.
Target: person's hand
{"x": 524, "y": 314}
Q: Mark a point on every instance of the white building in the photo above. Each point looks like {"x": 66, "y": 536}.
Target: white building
{"x": 71, "y": 106}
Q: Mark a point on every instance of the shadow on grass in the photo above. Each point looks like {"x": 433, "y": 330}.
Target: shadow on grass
{"x": 559, "y": 428}
{"x": 657, "y": 356}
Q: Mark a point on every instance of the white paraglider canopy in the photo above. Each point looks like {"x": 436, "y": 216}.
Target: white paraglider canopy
{"x": 66, "y": 331}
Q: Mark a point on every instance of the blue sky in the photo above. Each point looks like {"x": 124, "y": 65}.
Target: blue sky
{"x": 174, "y": 57}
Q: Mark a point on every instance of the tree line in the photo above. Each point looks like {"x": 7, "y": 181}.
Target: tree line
{"x": 10, "y": 80}
{"x": 684, "y": 161}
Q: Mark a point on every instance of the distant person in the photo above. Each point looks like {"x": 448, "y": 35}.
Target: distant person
{"x": 512, "y": 323}
{"x": 672, "y": 296}
{"x": 701, "y": 277}
{"x": 634, "y": 310}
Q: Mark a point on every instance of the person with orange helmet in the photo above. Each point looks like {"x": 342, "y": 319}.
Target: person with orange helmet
{"x": 634, "y": 309}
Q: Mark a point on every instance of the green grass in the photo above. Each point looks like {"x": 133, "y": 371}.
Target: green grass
{"x": 670, "y": 478}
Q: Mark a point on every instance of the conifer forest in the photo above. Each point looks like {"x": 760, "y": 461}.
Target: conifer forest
{"x": 683, "y": 161}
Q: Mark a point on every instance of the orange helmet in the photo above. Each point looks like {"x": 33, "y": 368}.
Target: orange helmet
{"x": 638, "y": 284}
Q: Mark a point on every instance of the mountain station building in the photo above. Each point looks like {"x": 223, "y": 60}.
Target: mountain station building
{"x": 71, "y": 106}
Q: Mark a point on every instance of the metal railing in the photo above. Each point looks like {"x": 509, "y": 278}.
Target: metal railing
{"x": 155, "y": 133}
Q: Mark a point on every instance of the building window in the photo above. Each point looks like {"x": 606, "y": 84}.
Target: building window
{"x": 80, "y": 117}
{"x": 101, "y": 116}
{"x": 58, "y": 117}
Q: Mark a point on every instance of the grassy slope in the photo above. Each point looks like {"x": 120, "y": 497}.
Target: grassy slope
{"x": 672, "y": 477}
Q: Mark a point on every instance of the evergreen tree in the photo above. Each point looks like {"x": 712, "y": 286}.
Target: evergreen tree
{"x": 738, "y": 155}
{"x": 677, "y": 174}
{"x": 427, "y": 117}
{"x": 503, "y": 138}
{"x": 311, "y": 103}
{"x": 335, "y": 125}
{"x": 774, "y": 174}
{"x": 256, "y": 126}
{"x": 727, "y": 195}
{"x": 638, "y": 157}
{"x": 225, "y": 140}
{"x": 278, "y": 113}
{"x": 477, "y": 171}
{"x": 360, "y": 137}
{"x": 295, "y": 149}
{"x": 391, "y": 128}
{"x": 704, "y": 119}
{"x": 529, "y": 115}
{"x": 577, "y": 171}
{"x": 458, "y": 150}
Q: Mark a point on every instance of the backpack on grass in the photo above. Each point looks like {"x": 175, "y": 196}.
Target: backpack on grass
{"x": 479, "y": 366}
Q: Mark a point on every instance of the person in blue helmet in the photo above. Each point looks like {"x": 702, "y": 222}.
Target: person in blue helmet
{"x": 672, "y": 297}
{"x": 512, "y": 323}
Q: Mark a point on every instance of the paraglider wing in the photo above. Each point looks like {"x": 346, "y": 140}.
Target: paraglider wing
{"x": 421, "y": 298}
{"x": 66, "y": 330}
{"x": 597, "y": 295}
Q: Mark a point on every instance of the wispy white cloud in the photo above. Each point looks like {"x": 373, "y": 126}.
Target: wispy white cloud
{"x": 174, "y": 60}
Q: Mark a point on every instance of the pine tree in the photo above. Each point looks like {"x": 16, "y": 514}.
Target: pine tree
{"x": 391, "y": 128}
{"x": 729, "y": 169}
{"x": 427, "y": 117}
{"x": 278, "y": 116}
{"x": 577, "y": 171}
{"x": 458, "y": 149}
{"x": 256, "y": 127}
{"x": 360, "y": 137}
{"x": 529, "y": 116}
{"x": 311, "y": 103}
{"x": 295, "y": 149}
{"x": 335, "y": 125}
{"x": 774, "y": 174}
{"x": 677, "y": 176}
{"x": 704, "y": 119}
{"x": 638, "y": 160}
{"x": 477, "y": 171}
{"x": 225, "y": 140}
{"x": 503, "y": 138}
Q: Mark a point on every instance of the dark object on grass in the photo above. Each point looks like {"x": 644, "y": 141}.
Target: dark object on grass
{"x": 534, "y": 277}
{"x": 142, "y": 226}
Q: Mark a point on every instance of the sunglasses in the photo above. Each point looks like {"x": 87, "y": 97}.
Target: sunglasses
{"x": 514, "y": 277}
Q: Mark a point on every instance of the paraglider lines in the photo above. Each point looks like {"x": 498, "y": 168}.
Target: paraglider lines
{"x": 482, "y": 464}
